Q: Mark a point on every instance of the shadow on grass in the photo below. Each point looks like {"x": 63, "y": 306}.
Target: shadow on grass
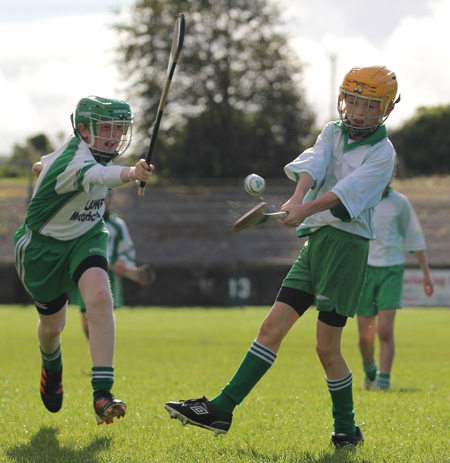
{"x": 44, "y": 447}
{"x": 408, "y": 390}
{"x": 333, "y": 456}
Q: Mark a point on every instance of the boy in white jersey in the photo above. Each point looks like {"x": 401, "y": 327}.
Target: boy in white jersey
{"x": 339, "y": 182}
{"x": 397, "y": 230}
{"x": 62, "y": 243}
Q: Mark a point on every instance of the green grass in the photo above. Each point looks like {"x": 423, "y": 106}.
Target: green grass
{"x": 165, "y": 354}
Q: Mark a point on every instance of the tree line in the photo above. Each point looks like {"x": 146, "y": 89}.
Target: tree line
{"x": 236, "y": 104}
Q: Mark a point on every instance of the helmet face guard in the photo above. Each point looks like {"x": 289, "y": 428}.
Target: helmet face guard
{"x": 109, "y": 123}
{"x": 366, "y": 98}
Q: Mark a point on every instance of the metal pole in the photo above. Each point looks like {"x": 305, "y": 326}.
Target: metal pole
{"x": 333, "y": 86}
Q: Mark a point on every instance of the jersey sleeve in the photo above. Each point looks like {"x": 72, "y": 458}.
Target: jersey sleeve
{"x": 363, "y": 187}
{"x": 126, "y": 249}
{"x": 121, "y": 245}
{"x": 103, "y": 175}
{"x": 410, "y": 228}
{"x": 314, "y": 160}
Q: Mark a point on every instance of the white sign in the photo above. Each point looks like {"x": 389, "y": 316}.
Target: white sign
{"x": 413, "y": 291}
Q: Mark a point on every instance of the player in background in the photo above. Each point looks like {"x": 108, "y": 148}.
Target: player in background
{"x": 339, "y": 182}
{"x": 122, "y": 262}
{"x": 397, "y": 229}
{"x": 62, "y": 244}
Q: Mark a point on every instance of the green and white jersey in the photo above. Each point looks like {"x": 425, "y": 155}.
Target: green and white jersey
{"x": 397, "y": 230}
{"x": 68, "y": 199}
{"x": 120, "y": 244}
{"x": 356, "y": 171}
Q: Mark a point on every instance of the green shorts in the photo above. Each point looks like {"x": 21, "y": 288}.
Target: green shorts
{"x": 331, "y": 266}
{"x": 383, "y": 290}
{"x": 46, "y": 265}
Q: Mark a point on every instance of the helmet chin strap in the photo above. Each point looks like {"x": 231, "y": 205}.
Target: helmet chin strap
{"x": 102, "y": 156}
{"x": 99, "y": 156}
{"x": 360, "y": 131}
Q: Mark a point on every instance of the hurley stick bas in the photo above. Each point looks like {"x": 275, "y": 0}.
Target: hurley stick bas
{"x": 177, "y": 45}
{"x": 257, "y": 216}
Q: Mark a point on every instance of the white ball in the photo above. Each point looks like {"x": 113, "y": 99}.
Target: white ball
{"x": 254, "y": 184}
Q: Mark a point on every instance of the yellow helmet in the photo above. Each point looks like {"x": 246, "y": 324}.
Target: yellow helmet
{"x": 373, "y": 83}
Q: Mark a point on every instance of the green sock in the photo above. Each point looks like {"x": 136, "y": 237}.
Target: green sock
{"x": 52, "y": 362}
{"x": 383, "y": 381}
{"x": 102, "y": 378}
{"x": 342, "y": 398}
{"x": 370, "y": 370}
{"x": 255, "y": 364}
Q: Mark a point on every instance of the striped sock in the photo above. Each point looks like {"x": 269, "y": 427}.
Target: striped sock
{"x": 370, "y": 370}
{"x": 255, "y": 364}
{"x": 52, "y": 362}
{"x": 102, "y": 378}
{"x": 383, "y": 381}
{"x": 342, "y": 398}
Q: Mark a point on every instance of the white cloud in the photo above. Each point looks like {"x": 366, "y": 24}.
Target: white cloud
{"x": 416, "y": 49}
{"x": 321, "y": 78}
{"x": 47, "y": 66}
{"x": 420, "y": 49}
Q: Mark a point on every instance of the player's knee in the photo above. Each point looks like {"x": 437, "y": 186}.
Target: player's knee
{"x": 327, "y": 352}
{"x": 99, "y": 298}
{"x": 385, "y": 334}
{"x": 365, "y": 339}
{"x": 323, "y": 353}
{"x": 270, "y": 331}
{"x": 52, "y": 329}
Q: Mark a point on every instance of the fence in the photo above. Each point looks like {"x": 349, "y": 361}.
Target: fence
{"x": 183, "y": 231}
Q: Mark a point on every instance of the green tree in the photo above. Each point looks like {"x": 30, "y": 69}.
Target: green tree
{"x": 35, "y": 147}
{"x": 423, "y": 142}
{"x": 19, "y": 163}
{"x": 235, "y": 105}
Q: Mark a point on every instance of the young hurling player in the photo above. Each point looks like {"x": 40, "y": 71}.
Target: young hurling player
{"x": 62, "y": 244}
{"x": 339, "y": 182}
{"x": 397, "y": 229}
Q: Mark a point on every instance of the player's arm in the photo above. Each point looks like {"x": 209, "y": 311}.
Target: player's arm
{"x": 428, "y": 283}
{"x": 119, "y": 267}
{"x": 112, "y": 176}
{"x": 299, "y": 211}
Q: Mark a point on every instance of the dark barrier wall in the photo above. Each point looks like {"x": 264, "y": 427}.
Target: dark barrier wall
{"x": 182, "y": 285}
{"x": 184, "y": 233}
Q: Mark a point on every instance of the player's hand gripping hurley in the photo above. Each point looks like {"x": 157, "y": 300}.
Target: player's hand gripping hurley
{"x": 177, "y": 45}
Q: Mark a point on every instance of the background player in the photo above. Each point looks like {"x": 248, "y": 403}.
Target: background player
{"x": 339, "y": 182}
{"x": 62, "y": 244}
{"x": 397, "y": 230}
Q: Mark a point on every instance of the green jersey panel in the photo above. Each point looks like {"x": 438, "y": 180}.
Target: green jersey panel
{"x": 68, "y": 199}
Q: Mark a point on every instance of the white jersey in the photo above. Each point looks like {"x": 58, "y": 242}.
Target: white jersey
{"x": 356, "y": 171}
{"x": 397, "y": 229}
{"x": 120, "y": 247}
{"x": 68, "y": 199}
{"x": 120, "y": 244}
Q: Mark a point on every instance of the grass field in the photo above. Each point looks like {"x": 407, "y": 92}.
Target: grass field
{"x": 169, "y": 353}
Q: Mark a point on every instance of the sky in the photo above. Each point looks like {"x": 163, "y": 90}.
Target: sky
{"x": 55, "y": 52}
